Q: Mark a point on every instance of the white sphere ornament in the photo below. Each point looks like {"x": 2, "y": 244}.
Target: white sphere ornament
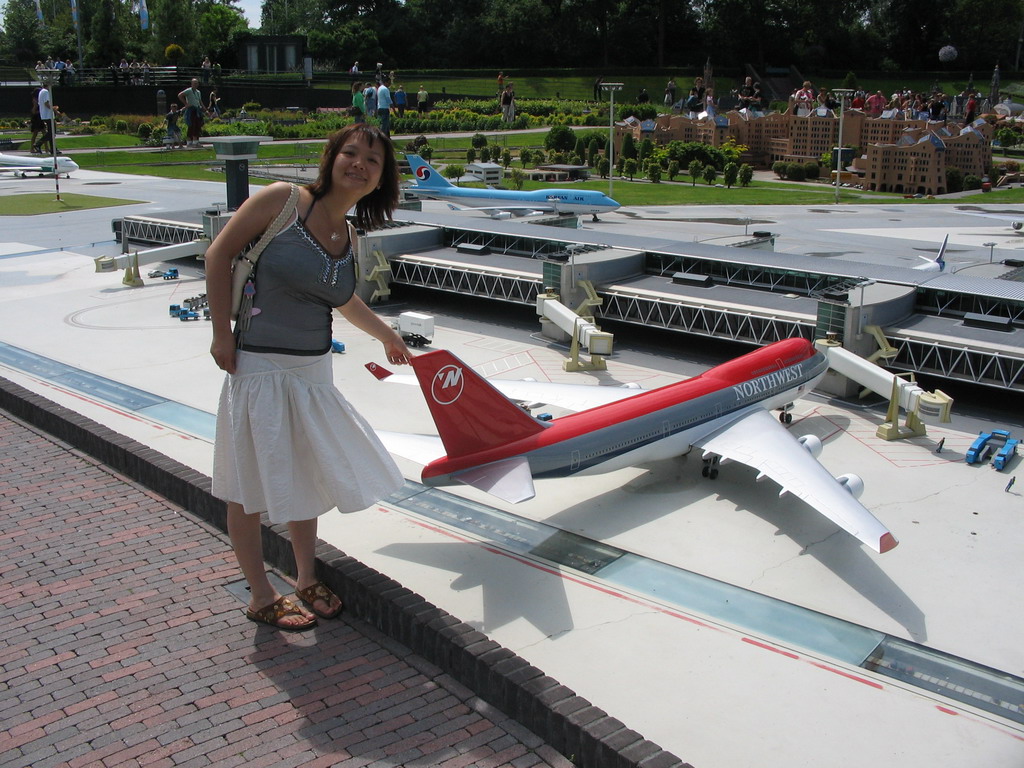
{"x": 947, "y": 53}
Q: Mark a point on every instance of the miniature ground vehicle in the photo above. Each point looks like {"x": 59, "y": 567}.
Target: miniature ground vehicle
{"x": 415, "y": 328}
{"x": 996, "y": 444}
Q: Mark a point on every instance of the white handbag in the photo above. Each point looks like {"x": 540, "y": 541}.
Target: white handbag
{"x": 242, "y": 286}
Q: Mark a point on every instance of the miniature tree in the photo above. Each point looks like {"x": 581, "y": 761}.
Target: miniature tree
{"x": 696, "y": 170}
{"x": 454, "y": 171}
{"x": 673, "y": 169}
{"x": 746, "y": 175}
{"x": 730, "y": 174}
{"x": 710, "y": 174}
{"x": 629, "y": 167}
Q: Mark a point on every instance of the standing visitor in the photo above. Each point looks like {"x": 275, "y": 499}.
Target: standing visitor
{"x": 421, "y": 100}
{"x": 35, "y": 124}
{"x": 384, "y": 103}
{"x": 400, "y": 100}
{"x": 288, "y": 443}
{"x": 358, "y": 102}
{"x": 46, "y": 115}
{"x": 508, "y": 104}
{"x": 192, "y": 98}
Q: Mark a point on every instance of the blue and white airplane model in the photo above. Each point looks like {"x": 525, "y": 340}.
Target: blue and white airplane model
{"x": 41, "y": 166}
{"x": 505, "y": 203}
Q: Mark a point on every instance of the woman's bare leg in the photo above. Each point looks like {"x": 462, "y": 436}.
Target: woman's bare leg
{"x": 246, "y": 539}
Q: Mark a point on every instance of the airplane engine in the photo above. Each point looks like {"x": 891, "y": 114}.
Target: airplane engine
{"x": 1017, "y": 225}
{"x": 812, "y": 444}
{"x": 852, "y": 483}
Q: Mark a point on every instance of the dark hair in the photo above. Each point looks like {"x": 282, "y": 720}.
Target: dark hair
{"x": 374, "y": 209}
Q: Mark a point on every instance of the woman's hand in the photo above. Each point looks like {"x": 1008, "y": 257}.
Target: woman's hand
{"x": 223, "y": 351}
{"x": 397, "y": 352}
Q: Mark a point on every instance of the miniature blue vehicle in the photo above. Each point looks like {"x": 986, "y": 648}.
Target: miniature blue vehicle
{"x": 997, "y": 441}
{"x": 174, "y": 310}
{"x": 1005, "y": 453}
{"x": 184, "y": 316}
{"x": 170, "y": 274}
{"x": 337, "y": 346}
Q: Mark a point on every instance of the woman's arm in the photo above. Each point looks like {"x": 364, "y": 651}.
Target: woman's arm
{"x": 247, "y": 223}
{"x": 368, "y": 321}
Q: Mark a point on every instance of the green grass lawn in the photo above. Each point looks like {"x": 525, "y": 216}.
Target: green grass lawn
{"x": 197, "y": 164}
{"x": 46, "y": 202}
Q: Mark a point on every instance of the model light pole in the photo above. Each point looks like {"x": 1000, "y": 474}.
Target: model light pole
{"x": 842, "y": 93}
{"x": 611, "y": 88}
{"x": 991, "y": 250}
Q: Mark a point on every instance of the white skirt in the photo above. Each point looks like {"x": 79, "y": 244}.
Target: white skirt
{"x": 289, "y": 444}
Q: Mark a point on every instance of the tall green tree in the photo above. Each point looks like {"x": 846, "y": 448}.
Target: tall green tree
{"x": 22, "y": 38}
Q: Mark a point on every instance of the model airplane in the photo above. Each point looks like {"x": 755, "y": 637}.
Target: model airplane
{"x": 1016, "y": 222}
{"x": 503, "y": 203}
{"x": 938, "y": 264}
{"x": 41, "y": 166}
{"x": 491, "y": 443}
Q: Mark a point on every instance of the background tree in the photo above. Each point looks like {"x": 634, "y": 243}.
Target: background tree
{"x": 746, "y": 175}
{"x": 454, "y": 171}
{"x": 220, "y": 29}
{"x": 696, "y": 170}
{"x": 730, "y": 174}
{"x": 21, "y": 40}
{"x": 710, "y": 174}
{"x": 629, "y": 167}
{"x": 517, "y": 178}
{"x": 173, "y": 21}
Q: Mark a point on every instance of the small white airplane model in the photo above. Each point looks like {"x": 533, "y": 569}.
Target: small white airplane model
{"x": 938, "y": 264}
{"x": 491, "y": 443}
{"x": 21, "y": 165}
{"x": 505, "y": 203}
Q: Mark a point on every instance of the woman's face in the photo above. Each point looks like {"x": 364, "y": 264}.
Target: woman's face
{"x": 358, "y": 165}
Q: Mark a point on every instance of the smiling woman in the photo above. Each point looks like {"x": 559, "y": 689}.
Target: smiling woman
{"x": 287, "y": 442}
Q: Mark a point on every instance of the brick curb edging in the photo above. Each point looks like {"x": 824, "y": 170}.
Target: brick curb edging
{"x": 569, "y": 723}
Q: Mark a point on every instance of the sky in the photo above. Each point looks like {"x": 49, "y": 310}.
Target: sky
{"x": 251, "y": 9}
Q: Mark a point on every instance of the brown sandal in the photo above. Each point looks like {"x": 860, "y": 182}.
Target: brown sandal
{"x": 319, "y": 591}
{"x": 278, "y": 610}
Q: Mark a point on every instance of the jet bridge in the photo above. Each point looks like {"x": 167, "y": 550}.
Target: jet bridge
{"x": 902, "y": 392}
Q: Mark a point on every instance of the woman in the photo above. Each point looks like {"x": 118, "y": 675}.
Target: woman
{"x": 358, "y": 102}
{"x": 287, "y": 442}
{"x": 695, "y": 100}
{"x": 35, "y": 123}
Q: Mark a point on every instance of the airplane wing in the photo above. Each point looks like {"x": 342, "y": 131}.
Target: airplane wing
{"x": 25, "y": 169}
{"x": 758, "y": 440}
{"x": 572, "y": 397}
{"x": 515, "y": 210}
{"x": 1016, "y": 222}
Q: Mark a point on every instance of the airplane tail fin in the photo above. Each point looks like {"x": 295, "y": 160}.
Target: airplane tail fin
{"x": 469, "y": 413}
{"x": 940, "y": 259}
{"x": 426, "y": 176}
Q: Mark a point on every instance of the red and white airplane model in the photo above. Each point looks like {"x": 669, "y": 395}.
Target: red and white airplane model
{"x": 491, "y": 443}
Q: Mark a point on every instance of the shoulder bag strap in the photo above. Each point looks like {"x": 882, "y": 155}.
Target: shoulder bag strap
{"x": 275, "y": 226}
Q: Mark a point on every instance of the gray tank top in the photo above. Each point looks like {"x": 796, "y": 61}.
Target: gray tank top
{"x": 297, "y": 285}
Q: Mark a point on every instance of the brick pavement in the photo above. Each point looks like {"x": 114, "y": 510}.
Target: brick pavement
{"x": 120, "y": 646}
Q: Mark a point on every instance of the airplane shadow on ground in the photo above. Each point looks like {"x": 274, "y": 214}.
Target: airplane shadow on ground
{"x": 508, "y": 591}
{"x": 675, "y": 487}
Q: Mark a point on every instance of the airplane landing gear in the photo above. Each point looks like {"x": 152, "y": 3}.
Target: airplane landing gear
{"x": 594, "y": 217}
{"x": 710, "y": 468}
{"x": 786, "y": 414}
